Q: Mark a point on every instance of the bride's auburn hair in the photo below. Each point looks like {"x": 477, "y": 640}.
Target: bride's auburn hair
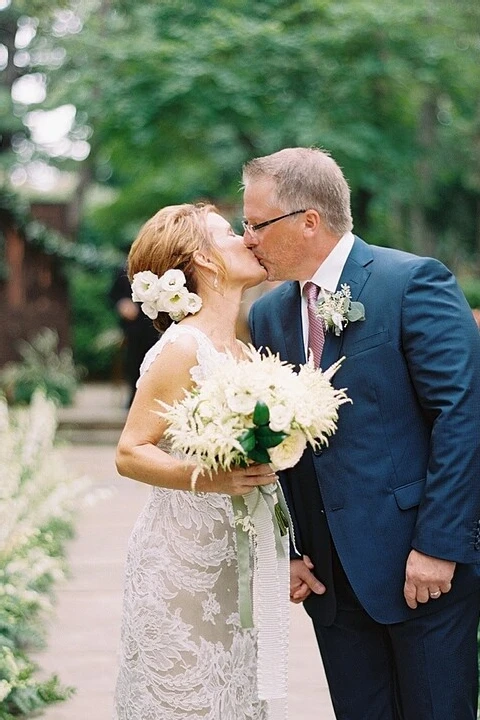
{"x": 169, "y": 240}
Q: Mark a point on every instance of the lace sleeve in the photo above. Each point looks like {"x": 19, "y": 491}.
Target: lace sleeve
{"x": 207, "y": 355}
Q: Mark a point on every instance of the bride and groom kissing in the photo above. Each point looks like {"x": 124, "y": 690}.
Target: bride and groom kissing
{"x": 386, "y": 517}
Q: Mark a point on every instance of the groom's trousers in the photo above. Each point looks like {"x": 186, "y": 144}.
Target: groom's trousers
{"x": 423, "y": 669}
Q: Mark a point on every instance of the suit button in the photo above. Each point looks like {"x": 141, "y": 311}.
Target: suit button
{"x": 318, "y": 452}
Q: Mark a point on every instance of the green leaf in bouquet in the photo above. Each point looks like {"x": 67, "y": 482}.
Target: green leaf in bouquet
{"x": 261, "y": 414}
{"x": 247, "y": 440}
{"x": 259, "y": 455}
{"x": 267, "y": 438}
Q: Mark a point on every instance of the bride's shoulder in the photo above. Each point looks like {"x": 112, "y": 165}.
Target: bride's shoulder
{"x": 177, "y": 346}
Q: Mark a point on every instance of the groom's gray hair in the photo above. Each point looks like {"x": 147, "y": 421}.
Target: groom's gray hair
{"x": 306, "y": 178}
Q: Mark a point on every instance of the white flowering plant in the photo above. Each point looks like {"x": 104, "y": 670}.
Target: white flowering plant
{"x": 167, "y": 293}
{"x": 255, "y": 410}
{"x": 38, "y": 500}
{"x": 337, "y": 309}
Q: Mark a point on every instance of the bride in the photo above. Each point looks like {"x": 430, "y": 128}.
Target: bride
{"x": 184, "y": 654}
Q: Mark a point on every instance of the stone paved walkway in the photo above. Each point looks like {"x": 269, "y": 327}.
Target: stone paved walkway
{"x": 84, "y": 632}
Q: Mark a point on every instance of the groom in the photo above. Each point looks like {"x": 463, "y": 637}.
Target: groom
{"x": 388, "y": 516}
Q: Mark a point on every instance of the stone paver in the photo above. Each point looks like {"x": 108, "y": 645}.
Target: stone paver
{"x": 84, "y": 631}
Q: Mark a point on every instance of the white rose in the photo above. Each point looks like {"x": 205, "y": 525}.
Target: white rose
{"x": 281, "y": 418}
{"x": 172, "y": 280}
{"x": 240, "y": 400}
{"x": 145, "y": 287}
{"x": 289, "y": 452}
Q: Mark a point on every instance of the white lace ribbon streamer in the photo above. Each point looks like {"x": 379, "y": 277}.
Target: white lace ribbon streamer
{"x": 270, "y": 601}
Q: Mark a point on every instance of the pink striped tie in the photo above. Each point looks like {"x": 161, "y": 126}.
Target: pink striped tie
{"x": 316, "y": 327}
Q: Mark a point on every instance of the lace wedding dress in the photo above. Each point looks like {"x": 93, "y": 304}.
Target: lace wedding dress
{"x": 184, "y": 655}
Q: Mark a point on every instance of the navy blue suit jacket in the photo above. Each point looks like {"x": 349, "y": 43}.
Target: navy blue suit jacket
{"x": 403, "y": 469}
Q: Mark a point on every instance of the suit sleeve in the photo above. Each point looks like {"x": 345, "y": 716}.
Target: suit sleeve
{"x": 442, "y": 345}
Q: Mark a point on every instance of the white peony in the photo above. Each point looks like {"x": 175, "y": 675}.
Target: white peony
{"x": 289, "y": 452}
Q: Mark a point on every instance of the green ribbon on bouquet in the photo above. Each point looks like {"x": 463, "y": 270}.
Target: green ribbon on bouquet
{"x": 255, "y": 442}
{"x": 244, "y": 507}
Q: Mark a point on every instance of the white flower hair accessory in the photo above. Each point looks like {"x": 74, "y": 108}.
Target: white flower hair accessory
{"x": 337, "y": 309}
{"x": 167, "y": 293}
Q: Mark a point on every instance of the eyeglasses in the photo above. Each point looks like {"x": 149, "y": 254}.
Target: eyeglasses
{"x": 252, "y": 229}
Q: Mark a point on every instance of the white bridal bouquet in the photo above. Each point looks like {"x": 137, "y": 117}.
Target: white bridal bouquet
{"x": 255, "y": 410}
{"x": 258, "y": 410}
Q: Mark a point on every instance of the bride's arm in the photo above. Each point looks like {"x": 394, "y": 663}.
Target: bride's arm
{"x": 138, "y": 456}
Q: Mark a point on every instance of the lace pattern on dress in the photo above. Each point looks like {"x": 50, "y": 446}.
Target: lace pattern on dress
{"x": 183, "y": 654}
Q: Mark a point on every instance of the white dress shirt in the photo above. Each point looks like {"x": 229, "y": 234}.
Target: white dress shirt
{"x": 327, "y": 276}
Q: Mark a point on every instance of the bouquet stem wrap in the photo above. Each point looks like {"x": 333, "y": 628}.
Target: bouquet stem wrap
{"x": 271, "y": 578}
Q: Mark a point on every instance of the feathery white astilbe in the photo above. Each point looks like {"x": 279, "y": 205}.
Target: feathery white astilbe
{"x": 208, "y": 423}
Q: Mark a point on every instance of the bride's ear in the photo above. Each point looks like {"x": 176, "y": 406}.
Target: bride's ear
{"x": 202, "y": 261}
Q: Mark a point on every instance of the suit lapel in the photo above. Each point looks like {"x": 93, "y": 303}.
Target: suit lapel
{"x": 291, "y": 319}
{"x": 355, "y": 274}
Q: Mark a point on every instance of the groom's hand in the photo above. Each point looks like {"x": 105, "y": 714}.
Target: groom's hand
{"x": 426, "y": 578}
{"x": 303, "y": 581}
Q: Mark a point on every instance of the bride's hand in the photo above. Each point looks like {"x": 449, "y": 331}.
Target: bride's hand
{"x": 236, "y": 482}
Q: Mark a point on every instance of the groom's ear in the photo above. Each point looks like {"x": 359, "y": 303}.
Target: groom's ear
{"x": 312, "y": 221}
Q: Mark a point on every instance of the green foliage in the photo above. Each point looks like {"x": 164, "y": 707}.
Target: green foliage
{"x": 25, "y": 695}
{"x": 391, "y": 90}
{"x": 471, "y": 288}
{"x": 86, "y": 255}
{"x": 43, "y": 366}
{"x": 94, "y": 321}
{"x": 190, "y": 90}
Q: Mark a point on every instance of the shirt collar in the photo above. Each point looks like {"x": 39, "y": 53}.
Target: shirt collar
{"x": 328, "y": 274}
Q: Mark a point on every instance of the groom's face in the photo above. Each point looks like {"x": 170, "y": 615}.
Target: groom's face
{"x": 279, "y": 246}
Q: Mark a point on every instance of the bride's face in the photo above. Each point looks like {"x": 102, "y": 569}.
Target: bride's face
{"x": 241, "y": 264}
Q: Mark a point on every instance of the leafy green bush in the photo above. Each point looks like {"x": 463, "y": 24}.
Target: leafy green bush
{"x": 43, "y": 366}
{"x": 471, "y": 288}
{"x": 95, "y": 335}
{"x": 20, "y": 694}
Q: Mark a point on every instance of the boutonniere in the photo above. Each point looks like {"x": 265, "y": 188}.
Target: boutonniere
{"x": 337, "y": 309}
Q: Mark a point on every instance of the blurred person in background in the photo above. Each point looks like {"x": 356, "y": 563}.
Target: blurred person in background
{"x": 139, "y": 334}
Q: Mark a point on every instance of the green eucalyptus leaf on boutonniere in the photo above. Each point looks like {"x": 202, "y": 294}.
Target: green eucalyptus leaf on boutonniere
{"x": 337, "y": 309}
{"x": 356, "y": 312}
